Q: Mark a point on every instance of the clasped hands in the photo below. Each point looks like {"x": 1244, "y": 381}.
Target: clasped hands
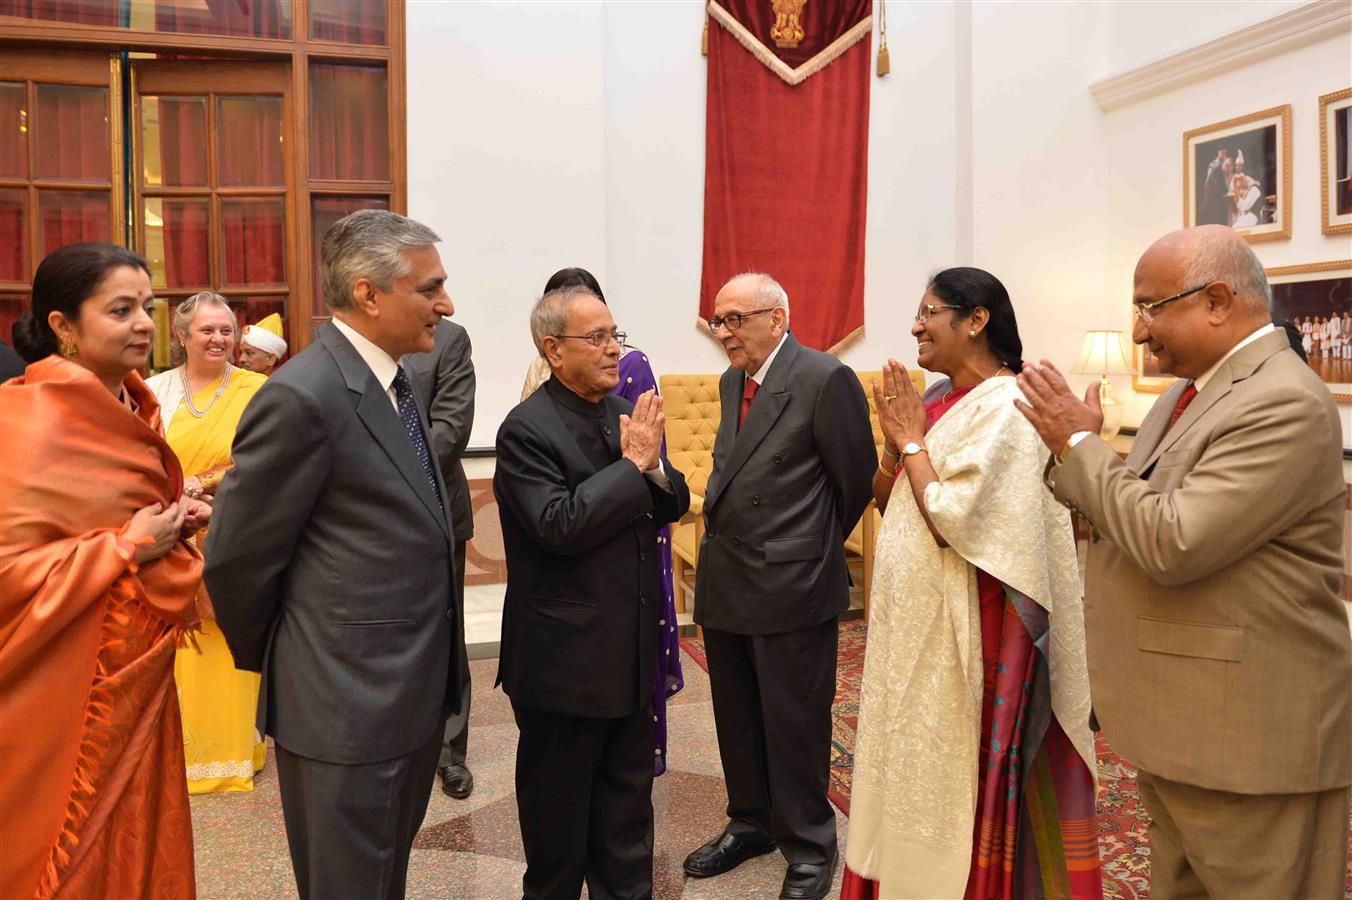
{"x": 641, "y": 432}
{"x": 1053, "y": 408}
{"x": 901, "y": 411}
{"x": 155, "y": 529}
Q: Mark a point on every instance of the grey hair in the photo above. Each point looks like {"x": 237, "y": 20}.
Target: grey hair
{"x": 186, "y": 311}
{"x": 549, "y": 315}
{"x": 1227, "y": 257}
{"x": 768, "y": 292}
{"x": 368, "y": 243}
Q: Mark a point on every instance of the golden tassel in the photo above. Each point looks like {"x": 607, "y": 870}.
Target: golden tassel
{"x": 884, "y": 58}
{"x": 704, "y": 41}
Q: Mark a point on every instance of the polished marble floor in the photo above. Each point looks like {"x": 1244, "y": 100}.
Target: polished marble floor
{"x": 471, "y": 848}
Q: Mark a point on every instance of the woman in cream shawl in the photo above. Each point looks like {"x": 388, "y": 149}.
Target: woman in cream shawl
{"x": 973, "y": 765}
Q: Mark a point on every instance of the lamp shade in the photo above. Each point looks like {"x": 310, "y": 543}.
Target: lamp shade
{"x": 1103, "y": 353}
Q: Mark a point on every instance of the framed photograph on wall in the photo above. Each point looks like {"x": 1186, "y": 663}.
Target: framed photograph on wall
{"x": 1317, "y": 299}
{"x": 1238, "y": 173}
{"x": 1335, "y": 162}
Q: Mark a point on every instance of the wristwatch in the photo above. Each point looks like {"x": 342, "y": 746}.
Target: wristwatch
{"x": 911, "y": 448}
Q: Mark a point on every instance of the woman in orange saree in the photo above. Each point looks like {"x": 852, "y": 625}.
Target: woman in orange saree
{"x": 96, "y": 588}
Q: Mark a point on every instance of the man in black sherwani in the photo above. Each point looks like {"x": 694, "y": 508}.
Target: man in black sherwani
{"x": 582, "y": 490}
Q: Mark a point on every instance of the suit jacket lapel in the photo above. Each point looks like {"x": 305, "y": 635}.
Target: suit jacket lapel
{"x": 770, "y": 401}
{"x": 378, "y": 415}
{"x": 1236, "y": 368}
{"x": 730, "y": 399}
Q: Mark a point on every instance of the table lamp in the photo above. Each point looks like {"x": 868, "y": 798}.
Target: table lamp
{"x": 1104, "y": 353}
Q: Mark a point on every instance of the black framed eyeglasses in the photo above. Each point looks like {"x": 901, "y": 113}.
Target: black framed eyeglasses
{"x": 1147, "y": 310}
{"x": 734, "y": 321}
{"x": 930, "y": 309}
{"x": 598, "y": 339}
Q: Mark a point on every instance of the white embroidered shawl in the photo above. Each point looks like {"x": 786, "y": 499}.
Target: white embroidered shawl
{"x": 914, "y": 794}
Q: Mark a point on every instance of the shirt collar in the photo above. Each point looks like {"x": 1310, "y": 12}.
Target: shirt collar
{"x": 759, "y": 377}
{"x": 1262, "y": 331}
{"x": 381, "y": 364}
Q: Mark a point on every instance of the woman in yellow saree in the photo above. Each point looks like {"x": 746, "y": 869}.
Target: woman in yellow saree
{"x": 201, "y": 402}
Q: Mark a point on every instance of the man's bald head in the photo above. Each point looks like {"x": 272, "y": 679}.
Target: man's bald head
{"x": 1211, "y": 253}
{"x": 1224, "y": 297}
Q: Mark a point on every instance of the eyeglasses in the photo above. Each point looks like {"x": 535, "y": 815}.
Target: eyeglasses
{"x": 1145, "y": 310}
{"x": 734, "y": 321}
{"x": 930, "y": 309}
{"x": 599, "y": 339}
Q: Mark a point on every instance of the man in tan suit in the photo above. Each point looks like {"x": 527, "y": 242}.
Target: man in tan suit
{"x": 1219, "y": 651}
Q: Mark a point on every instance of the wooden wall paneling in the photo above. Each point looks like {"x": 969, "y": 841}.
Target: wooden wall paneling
{"x": 397, "y": 79}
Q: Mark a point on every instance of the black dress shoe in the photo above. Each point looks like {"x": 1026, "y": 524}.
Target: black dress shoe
{"x": 456, "y": 781}
{"x": 723, "y": 854}
{"x": 808, "y": 881}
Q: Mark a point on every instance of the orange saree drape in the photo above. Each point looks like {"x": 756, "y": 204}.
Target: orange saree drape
{"x": 93, "y": 799}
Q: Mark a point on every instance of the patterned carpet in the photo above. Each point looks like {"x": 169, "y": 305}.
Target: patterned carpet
{"x": 1122, "y": 820}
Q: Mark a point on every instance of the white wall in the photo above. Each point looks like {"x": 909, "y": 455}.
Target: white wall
{"x": 572, "y": 133}
{"x": 1145, "y": 186}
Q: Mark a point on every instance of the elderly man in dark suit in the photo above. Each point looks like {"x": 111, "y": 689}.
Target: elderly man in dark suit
{"x": 793, "y": 463}
{"x": 332, "y": 570}
{"x": 445, "y": 379}
{"x": 1219, "y": 653}
{"x": 582, "y": 490}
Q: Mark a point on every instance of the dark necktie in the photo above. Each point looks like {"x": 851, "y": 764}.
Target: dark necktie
{"x": 748, "y": 394}
{"x": 408, "y": 412}
{"x": 1188, "y": 393}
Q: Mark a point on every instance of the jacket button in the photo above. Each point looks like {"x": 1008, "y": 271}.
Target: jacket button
{"x": 605, "y": 429}
{"x": 642, "y": 600}
{"x": 778, "y": 459}
{"x": 737, "y": 541}
{"x": 450, "y": 614}
{"x": 755, "y": 500}
{"x": 642, "y": 555}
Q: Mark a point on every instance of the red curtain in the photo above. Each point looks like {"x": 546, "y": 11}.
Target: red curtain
{"x": 69, "y": 217}
{"x": 13, "y": 159}
{"x": 72, "y": 134}
{"x": 349, "y": 123}
{"x": 255, "y": 241}
{"x": 249, "y": 141}
{"x": 183, "y": 141}
{"x": 11, "y": 307}
{"x": 13, "y": 234}
{"x": 185, "y": 243}
{"x": 324, "y": 211}
{"x": 347, "y": 22}
{"x": 786, "y": 169}
{"x": 237, "y": 18}
{"x": 75, "y": 12}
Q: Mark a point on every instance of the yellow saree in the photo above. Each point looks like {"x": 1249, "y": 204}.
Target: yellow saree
{"x": 219, "y": 702}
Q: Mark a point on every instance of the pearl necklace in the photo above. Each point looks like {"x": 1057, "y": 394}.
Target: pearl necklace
{"x": 944, "y": 398}
{"x": 187, "y": 391}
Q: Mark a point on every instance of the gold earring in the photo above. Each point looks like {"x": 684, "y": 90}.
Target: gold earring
{"x": 67, "y": 348}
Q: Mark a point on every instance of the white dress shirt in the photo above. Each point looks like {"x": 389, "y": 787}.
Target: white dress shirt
{"x": 759, "y": 377}
{"x": 381, "y": 364}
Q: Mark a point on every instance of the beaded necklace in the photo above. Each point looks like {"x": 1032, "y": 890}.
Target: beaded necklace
{"x": 187, "y": 391}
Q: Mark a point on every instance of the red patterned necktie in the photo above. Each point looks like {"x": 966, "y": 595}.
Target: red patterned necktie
{"x": 748, "y": 394}
{"x": 1188, "y": 393}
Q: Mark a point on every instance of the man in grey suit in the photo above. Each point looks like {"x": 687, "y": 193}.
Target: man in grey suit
{"x": 332, "y": 568}
{"x": 793, "y": 465}
{"x": 445, "y": 379}
{"x": 1219, "y": 653}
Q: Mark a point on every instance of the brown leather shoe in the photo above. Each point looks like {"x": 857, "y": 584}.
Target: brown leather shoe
{"x": 723, "y": 854}
{"x": 456, "y": 781}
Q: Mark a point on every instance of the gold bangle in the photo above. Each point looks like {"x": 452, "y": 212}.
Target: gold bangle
{"x": 892, "y": 474}
{"x": 895, "y": 454}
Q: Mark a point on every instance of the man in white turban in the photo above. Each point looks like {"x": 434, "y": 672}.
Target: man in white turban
{"x": 262, "y": 345}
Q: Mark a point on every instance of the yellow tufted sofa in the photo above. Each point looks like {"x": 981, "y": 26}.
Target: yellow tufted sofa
{"x": 860, "y": 542}
{"x": 693, "y": 412}
{"x": 691, "y": 406}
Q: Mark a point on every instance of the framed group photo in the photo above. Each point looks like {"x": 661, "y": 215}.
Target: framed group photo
{"x": 1335, "y": 162}
{"x": 1317, "y": 300}
{"x": 1238, "y": 173}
